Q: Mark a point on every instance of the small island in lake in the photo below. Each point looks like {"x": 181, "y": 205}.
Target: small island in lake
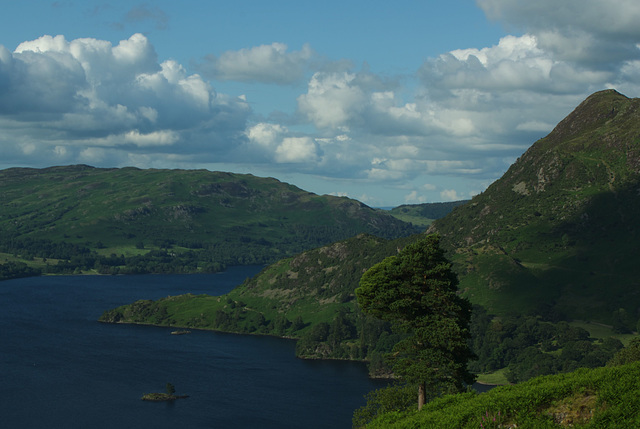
{"x": 158, "y": 397}
{"x": 169, "y": 396}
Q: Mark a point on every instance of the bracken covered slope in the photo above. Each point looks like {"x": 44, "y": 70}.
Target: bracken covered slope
{"x": 558, "y": 232}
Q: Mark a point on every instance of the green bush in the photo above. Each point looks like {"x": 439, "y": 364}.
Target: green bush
{"x": 397, "y": 397}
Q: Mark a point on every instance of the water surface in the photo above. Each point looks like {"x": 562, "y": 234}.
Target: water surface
{"x": 60, "y": 368}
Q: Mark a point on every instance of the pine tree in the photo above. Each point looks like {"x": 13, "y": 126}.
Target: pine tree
{"x": 417, "y": 292}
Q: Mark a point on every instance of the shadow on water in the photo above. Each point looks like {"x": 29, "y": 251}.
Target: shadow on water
{"x": 66, "y": 370}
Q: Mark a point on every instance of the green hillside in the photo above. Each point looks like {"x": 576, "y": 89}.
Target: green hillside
{"x": 607, "y": 397}
{"x": 558, "y": 232}
{"x": 309, "y": 297}
{"x": 208, "y": 217}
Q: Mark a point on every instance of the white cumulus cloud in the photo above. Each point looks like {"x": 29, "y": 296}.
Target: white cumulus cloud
{"x": 584, "y": 31}
{"x": 297, "y": 149}
{"x": 414, "y": 198}
{"x": 461, "y": 118}
{"x": 333, "y": 100}
{"x": 449, "y": 195}
{"x": 265, "y": 63}
{"x": 57, "y": 95}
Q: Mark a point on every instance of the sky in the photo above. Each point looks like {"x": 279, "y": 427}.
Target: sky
{"x": 390, "y": 103}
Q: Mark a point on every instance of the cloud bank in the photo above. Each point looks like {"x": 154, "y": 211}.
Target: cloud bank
{"x": 71, "y": 98}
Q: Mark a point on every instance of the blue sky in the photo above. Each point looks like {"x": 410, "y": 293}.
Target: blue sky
{"x": 386, "y": 102}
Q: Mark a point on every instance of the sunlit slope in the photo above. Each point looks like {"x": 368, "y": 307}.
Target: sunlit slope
{"x": 596, "y": 398}
{"x": 294, "y": 297}
{"x": 189, "y": 208}
{"x": 559, "y": 231}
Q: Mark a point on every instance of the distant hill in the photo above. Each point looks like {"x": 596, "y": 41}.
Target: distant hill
{"x": 424, "y": 214}
{"x": 558, "y": 233}
{"x": 212, "y": 217}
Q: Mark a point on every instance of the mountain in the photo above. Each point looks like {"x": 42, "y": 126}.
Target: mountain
{"x": 558, "y": 232}
{"x": 223, "y": 217}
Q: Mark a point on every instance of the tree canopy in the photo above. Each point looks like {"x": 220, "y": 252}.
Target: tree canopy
{"x": 417, "y": 292}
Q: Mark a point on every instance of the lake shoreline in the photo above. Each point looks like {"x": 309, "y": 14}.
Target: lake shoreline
{"x": 54, "y": 349}
{"x": 162, "y": 397}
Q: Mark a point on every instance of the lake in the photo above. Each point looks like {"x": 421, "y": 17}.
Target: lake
{"x": 60, "y": 368}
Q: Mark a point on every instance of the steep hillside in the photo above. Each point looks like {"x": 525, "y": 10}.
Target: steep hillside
{"x": 240, "y": 217}
{"x": 558, "y": 232}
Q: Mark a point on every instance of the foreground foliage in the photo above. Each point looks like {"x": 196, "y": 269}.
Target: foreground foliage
{"x": 607, "y": 397}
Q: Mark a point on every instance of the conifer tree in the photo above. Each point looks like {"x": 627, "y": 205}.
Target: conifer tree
{"x": 417, "y": 292}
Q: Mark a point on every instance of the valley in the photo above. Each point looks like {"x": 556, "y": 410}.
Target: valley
{"x": 547, "y": 253}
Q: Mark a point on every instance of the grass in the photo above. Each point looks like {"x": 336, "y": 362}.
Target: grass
{"x": 607, "y": 397}
{"x": 494, "y": 378}
{"x": 416, "y": 220}
{"x": 34, "y": 263}
{"x": 601, "y": 331}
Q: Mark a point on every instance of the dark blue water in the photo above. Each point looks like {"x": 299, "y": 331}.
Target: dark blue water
{"x": 60, "y": 368}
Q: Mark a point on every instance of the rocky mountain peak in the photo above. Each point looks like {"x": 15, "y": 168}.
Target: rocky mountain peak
{"x": 591, "y": 113}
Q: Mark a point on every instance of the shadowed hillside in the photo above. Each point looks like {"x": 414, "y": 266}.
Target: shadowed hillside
{"x": 558, "y": 232}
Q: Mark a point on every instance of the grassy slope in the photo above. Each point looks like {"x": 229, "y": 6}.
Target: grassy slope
{"x": 561, "y": 222}
{"x": 316, "y": 284}
{"x": 606, "y": 397}
{"x": 313, "y": 285}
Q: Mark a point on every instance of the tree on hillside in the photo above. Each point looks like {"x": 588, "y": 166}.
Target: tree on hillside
{"x": 416, "y": 291}
{"x": 629, "y": 354}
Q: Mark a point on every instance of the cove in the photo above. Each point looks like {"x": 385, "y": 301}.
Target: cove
{"x": 60, "y": 368}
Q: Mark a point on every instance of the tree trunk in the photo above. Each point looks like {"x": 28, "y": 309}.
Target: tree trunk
{"x": 422, "y": 395}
